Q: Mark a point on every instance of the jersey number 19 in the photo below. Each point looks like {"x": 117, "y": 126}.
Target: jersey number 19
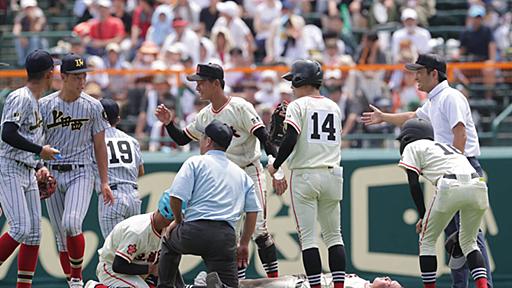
{"x": 120, "y": 153}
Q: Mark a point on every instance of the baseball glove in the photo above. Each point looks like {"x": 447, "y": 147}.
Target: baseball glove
{"x": 277, "y": 124}
{"x": 47, "y": 187}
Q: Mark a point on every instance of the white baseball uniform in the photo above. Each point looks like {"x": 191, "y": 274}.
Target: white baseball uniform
{"x": 70, "y": 127}
{"x": 135, "y": 240}
{"x": 19, "y": 194}
{"x": 316, "y": 181}
{"x": 459, "y": 188}
{"x": 124, "y": 160}
{"x": 244, "y": 149}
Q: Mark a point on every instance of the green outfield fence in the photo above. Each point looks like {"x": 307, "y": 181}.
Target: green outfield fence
{"x": 378, "y": 218}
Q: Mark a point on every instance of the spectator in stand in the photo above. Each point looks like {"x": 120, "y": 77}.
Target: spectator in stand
{"x": 267, "y": 92}
{"x": 503, "y": 37}
{"x": 286, "y": 92}
{"x": 239, "y": 32}
{"x": 234, "y": 79}
{"x": 141, "y": 22}
{"x": 285, "y": 42}
{"x": 334, "y": 54}
{"x": 369, "y": 51}
{"x": 188, "y": 11}
{"x": 417, "y": 35}
{"x": 172, "y": 56}
{"x": 382, "y": 12}
{"x": 101, "y": 78}
{"x": 115, "y": 60}
{"x": 184, "y": 35}
{"x": 30, "y": 19}
{"x": 477, "y": 44}
{"x": 266, "y": 13}
{"x": 104, "y": 30}
{"x": 207, "y": 52}
{"x": 145, "y": 56}
{"x": 334, "y": 27}
{"x": 222, "y": 43}
{"x": 208, "y": 17}
{"x": 119, "y": 11}
{"x": 424, "y": 8}
{"x": 161, "y": 25}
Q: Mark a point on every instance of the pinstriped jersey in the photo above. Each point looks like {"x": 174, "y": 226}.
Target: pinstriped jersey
{"x": 242, "y": 117}
{"x": 124, "y": 157}
{"x": 70, "y": 126}
{"x": 133, "y": 239}
{"x": 317, "y": 120}
{"x": 433, "y": 160}
{"x": 22, "y": 109}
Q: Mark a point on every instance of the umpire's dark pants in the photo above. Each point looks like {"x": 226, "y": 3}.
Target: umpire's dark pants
{"x": 460, "y": 277}
{"x": 214, "y": 241}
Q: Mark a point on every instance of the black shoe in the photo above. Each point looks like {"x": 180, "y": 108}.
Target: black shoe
{"x": 213, "y": 280}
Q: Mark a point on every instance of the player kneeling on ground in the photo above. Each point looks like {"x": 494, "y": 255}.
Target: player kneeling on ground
{"x": 459, "y": 188}
{"x": 127, "y": 259}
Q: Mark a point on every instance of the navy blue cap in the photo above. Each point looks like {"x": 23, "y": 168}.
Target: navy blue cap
{"x": 206, "y": 72}
{"x": 431, "y": 61}
{"x": 111, "y": 109}
{"x": 38, "y": 61}
{"x": 219, "y": 132}
{"x": 73, "y": 64}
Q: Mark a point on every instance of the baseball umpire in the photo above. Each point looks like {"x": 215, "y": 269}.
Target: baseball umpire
{"x": 459, "y": 188}
{"x": 22, "y": 135}
{"x": 125, "y": 165}
{"x": 312, "y": 143}
{"x": 75, "y": 123}
{"x": 244, "y": 150}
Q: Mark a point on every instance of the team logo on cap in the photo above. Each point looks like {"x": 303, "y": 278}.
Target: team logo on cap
{"x": 79, "y": 62}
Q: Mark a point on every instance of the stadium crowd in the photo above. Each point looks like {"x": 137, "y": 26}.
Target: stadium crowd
{"x": 178, "y": 34}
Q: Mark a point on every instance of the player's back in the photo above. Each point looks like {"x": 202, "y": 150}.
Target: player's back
{"x": 318, "y": 121}
{"x": 131, "y": 238}
{"x": 433, "y": 160}
{"x": 124, "y": 157}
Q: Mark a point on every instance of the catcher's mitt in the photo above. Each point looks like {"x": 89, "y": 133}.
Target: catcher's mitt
{"x": 277, "y": 125}
{"x": 47, "y": 187}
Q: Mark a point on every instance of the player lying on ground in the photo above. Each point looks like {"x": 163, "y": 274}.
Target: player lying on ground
{"x": 129, "y": 256}
{"x": 459, "y": 188}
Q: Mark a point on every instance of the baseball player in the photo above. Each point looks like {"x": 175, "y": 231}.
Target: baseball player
{"x": 244, "y": 150}
{"x": 75, "y": 123}
{"x": 124, "y": 166}
{"x": 131, "y": 250}
{"x": 459, "y": 188}
{"x": 312, "y": 144}
{"x": 22, "y": 135}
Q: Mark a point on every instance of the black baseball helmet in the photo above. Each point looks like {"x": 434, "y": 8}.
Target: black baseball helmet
{"x": 414, "y": 129}
{"x": 305, "y": 72}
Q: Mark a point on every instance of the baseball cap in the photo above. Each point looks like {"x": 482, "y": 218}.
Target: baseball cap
{"x": 409, "y": 13}
{"x": 219, "y": 132}
{"x": 229, "y": 7}
{"x": 432, "y": 61}
{"x": 73, "y": 64}
{"x": 113, "y": 47}
{"x": 39, "y": 61}
{"x": 28, "y": 3}
{"x": 476, "y": 11}
{"x": 178, "y": 22}
{"x": 104, "y": 3}
{"x": 111, "y": 109}
{"x": 207, "y": 71}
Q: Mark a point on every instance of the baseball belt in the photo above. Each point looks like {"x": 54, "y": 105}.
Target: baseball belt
{"x": 453, "y": 176}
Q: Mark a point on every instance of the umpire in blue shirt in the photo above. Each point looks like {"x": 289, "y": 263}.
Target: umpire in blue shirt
{"x": 216, "y": 192}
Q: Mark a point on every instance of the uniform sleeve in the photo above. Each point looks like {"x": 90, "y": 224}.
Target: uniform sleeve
{"x": 410, "y": 159}
{"x": 423, "y": 111}
{"x": 192, "y": 130}
{"x": 14, "y": 109}
{"x": 183, "y": 183}
{"x": 293, "y": 116}
{"x": 129, "y": 246}
{"x": 250, "y": 119}
{"x": 99, "y": 118}
{"x": 456, "y": 106}
{"x": 138, "y": 153}
{"x": 252, "y": 203}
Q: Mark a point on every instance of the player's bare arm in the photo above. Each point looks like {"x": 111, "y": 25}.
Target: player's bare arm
{"x": 376, "y": 116}
{"x": 100, "y": 151}
{"x": 176, "y": 205}
{"x": 243, "y": 247}
{"x": 459, "y": 136}
{"x": 141, "y": 170}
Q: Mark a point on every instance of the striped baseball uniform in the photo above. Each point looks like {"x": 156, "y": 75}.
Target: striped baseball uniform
{"x": 465, "y": 193}
{"x": 135, "y": 240}
{"x": 19, "y": 194}
{"x": 124, "y": 160}
{"x": 70, "y": 127}
{"x": 244, "y": 149}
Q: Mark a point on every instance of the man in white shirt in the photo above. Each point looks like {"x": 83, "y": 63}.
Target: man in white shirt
{"x": 410, "y": 32}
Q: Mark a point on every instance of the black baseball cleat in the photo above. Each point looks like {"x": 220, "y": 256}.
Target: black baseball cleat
{"x": 213, "y": 280}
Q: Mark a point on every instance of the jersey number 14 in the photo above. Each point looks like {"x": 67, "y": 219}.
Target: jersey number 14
{"x": 324, "y": 127}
